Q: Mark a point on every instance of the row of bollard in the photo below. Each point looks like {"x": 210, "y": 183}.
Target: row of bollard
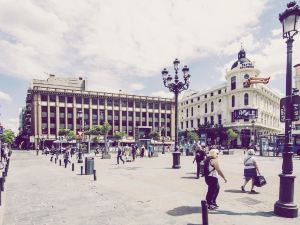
{"x": 73, "y": 167}
{"x": 2, "y": 179}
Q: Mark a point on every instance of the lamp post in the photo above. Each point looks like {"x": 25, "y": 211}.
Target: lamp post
{"x": 285, "y": 206}
{"x": 253, "y": 132}
{"x": 80, "y": 160}
{"x": 176, "y": 87}
{"x": 163, "y": 131}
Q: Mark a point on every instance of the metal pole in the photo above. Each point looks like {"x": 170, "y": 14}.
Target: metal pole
{"x": 204, "y": 213}
{"x": 72, "y": 166}
{"x": 176, "y": 121}
{"x": 81, "y": 170}
{"x": 95, "y": 177}
{"x": 285, "y": 206}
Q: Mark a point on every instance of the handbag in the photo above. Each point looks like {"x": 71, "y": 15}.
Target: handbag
{"x": 260, "y": 181}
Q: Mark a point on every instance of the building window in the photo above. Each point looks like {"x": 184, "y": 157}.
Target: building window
{"x": 69, "y": 99}
{"x": 246, "y": 99}
{"x": 205, "y": 96}
{"x": 220, "y": 100}
{"x": 78, "y": 100}
{"x": 198, "y": 98}
{"x": 86, "y": 101}
{"x": 219, "y": 91}
{"x": 205, "y": 108}
{"x": 219, "y": 119}
{"x": 192, "y": 123}
{"x": 186, "y": 124}
{"x": 233, "y": 101}
{"x": 198, "y": 122}
{"x": 52, "y": 98}
{"x": 212, "y": 106}
{"x": 233, "y": 83}
{"x": 205, "y": 120}
{"x": 181, "y": 125}
{"x": 187, "y": 112}
{"x": 192, "y": 111}
{"x": 61, "y": 98}
{"x": 212, "y": 94}
{"x": 192, "y": 100}
{"x": 44, "y": 98}
{"x": 212, "y": 120}
{"x": 95, "y": 101}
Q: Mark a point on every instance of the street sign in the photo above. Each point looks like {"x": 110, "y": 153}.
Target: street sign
{"x": 295, "y": 108}
{"x": 1, "y": 129}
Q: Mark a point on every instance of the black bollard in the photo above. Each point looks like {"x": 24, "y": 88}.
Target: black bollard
{"x": 95, "y": 177}
{"x": 0, "y": 198}
{"x": 1, "y": 184}
{"x": 51, "y": 158}
{"x": 55, "y": 160}
{"x": 204, "y": 213}
{"x": 81, "y": 170}
{"x": 72, "y": 166}
{"x": 59, "y": 162}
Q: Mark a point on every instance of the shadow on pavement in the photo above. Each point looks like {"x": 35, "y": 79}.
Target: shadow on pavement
{"x": 260, "y": 213}
{"x": 184, "y": 210}
{"x": 233, "y": 191}
{"x": 188, "y": 178}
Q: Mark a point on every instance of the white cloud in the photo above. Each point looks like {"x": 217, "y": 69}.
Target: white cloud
{"x": 136, "y": 86}
{"x": 162, "y": 94}
{"x": 4, "y": 96}
{"x": 12, "y": 123}
{"x": 112, "y": 40}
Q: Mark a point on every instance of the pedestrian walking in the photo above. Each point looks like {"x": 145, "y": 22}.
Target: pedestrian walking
{"x": 199, "y": 157}
{"x": 119, "y": 156}
{"x": 250, "y": 170}
{"x": 5, "y": 153}
{"x": 142, "y": 151}
{"x": 66, "y": 156}
{"x": 133, "y": 151}
{"x": 211, "y": 172}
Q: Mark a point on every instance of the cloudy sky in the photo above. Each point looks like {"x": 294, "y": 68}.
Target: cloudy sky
{"x": 124, "y": 44}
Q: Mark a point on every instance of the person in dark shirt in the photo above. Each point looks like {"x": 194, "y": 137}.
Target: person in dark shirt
{"x": 199, "y": 157}
{"x": 120, "y": 153}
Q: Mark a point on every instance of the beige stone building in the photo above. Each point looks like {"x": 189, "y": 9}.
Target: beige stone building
{"x": 61, "y": 103}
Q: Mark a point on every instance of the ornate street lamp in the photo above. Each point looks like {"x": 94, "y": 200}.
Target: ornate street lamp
{"x": 80, "y": 160}
{"x": 285, "y": 206}
{"x": 176, "y": 87}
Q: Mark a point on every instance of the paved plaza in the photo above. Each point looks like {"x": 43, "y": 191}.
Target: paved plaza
{"x": 144, "y": 192}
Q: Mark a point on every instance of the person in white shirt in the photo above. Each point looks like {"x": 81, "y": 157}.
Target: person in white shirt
{"x": 250, "y": 170}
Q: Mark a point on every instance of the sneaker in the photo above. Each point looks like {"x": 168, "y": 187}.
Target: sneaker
{"x": 254, "y": 192}
{"x": 211, "y": 207}
{"x": 215, "y": 205}
{"x": 243, "y": 189}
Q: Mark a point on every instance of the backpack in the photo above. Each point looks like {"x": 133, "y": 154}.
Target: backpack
{"x": 206, "y": 163}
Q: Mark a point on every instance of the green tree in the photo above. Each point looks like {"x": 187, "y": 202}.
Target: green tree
{"x": 192, "y": 136}
{"x": 232, "y": 135}
{"x": 67, "y": 133}
{"x": 154, "y": 135}
{"x": 71, "y": 135}
{"x": 119, "y": 135}
{"x": 8, "y": 136}
{"x": 104, "y": 129}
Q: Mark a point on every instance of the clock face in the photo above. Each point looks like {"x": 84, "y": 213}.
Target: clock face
{"x": 246, "y": 76}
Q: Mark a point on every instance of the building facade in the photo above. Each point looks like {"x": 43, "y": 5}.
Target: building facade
{"x": 251, "y": 110}
{"x": 51, "y": 107}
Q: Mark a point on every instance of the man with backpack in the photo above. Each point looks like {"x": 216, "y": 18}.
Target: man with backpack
{"x": 211, "y": 173}
{"x": 199, "y": 157}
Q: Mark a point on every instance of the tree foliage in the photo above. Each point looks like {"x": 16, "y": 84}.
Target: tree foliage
{"x": 67, "y": 133}
{"x": 155, "y": 135}
{"x": 119, "y": 135}
{"x": 8, "y": 136}
{"x": 232, "y": 135}
{"x": 192, "y": 136}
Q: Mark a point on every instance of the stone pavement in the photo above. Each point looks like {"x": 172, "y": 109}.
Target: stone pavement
{"x": 144, "y": 192}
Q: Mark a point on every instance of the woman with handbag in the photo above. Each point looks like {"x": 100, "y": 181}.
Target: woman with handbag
{"x": 250, "y": 170}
